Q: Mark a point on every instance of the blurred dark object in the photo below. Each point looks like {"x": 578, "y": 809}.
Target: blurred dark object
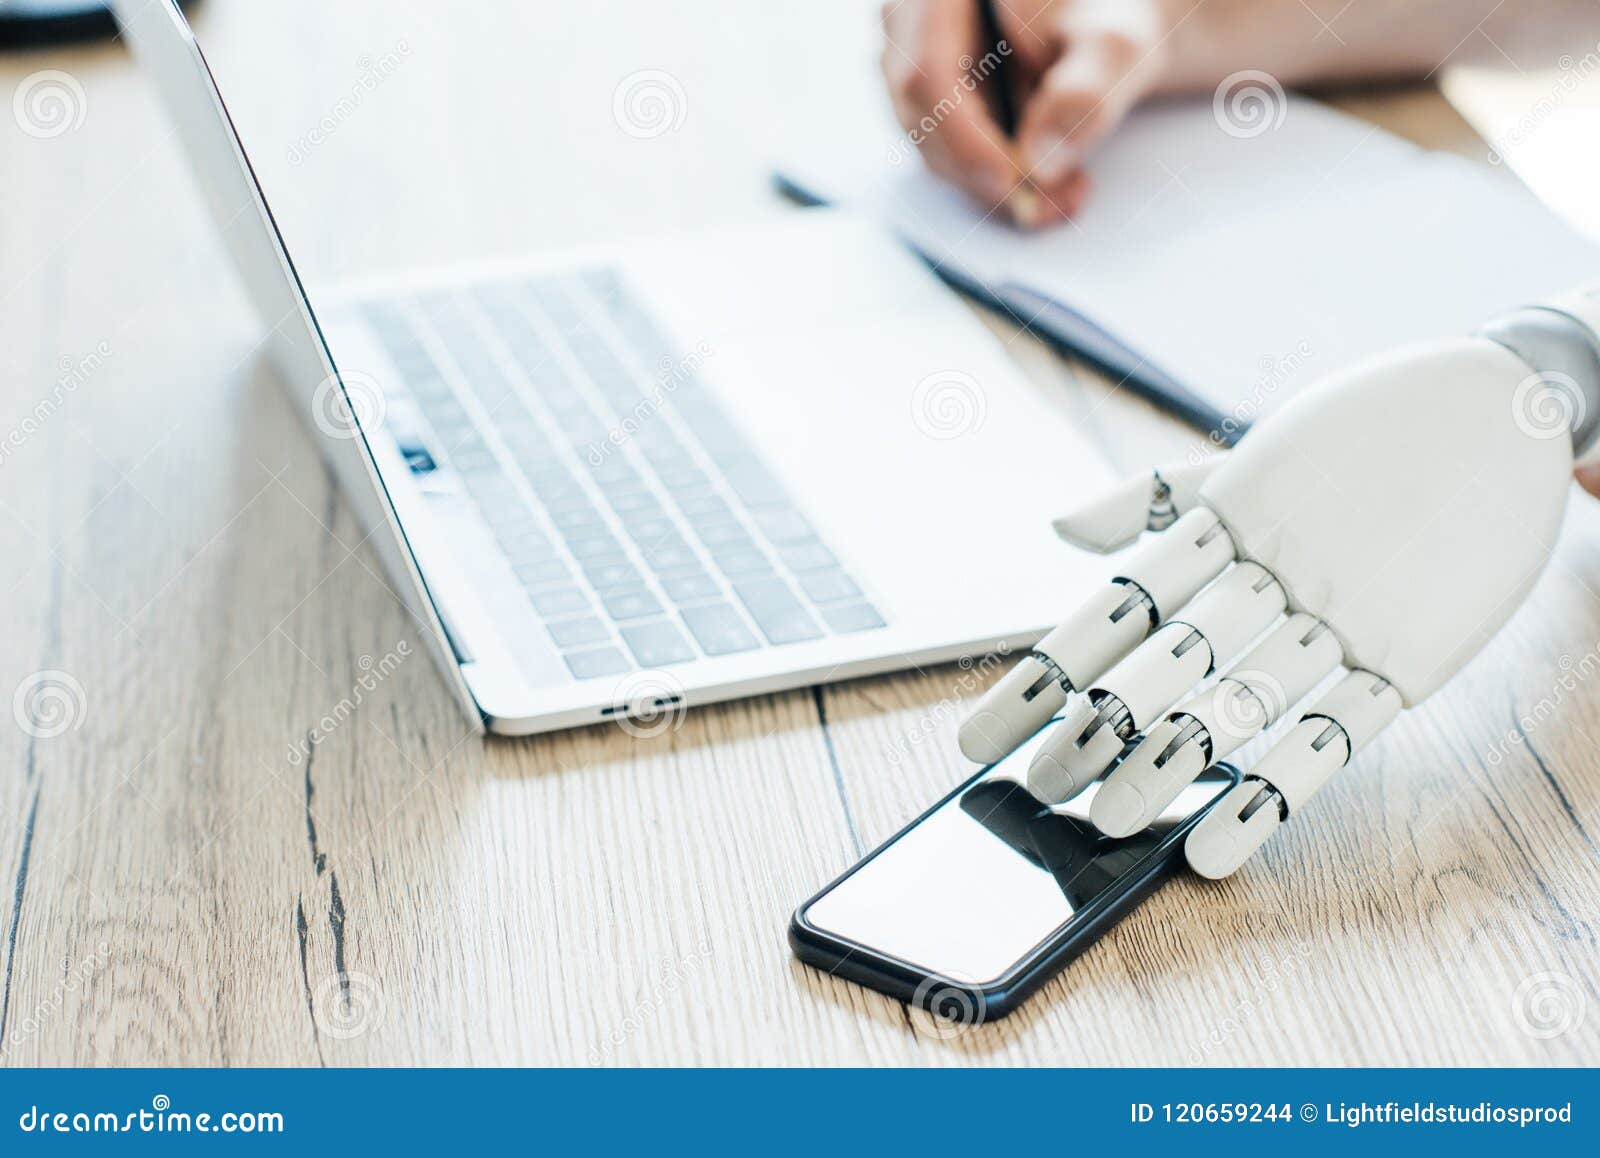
{"x": 32, "y": 23}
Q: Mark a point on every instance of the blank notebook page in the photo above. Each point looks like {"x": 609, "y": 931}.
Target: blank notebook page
{"x": 1241, "y": 266}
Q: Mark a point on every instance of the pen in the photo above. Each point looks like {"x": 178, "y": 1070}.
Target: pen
{"x": 1003, "y": 99}
{"x": 1023, "y": 202}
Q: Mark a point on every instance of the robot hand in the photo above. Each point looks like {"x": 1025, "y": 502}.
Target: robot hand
{"x": 1388, "y": 521}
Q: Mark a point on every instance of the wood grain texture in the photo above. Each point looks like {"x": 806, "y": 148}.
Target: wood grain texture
{"x": 181, "y": 889}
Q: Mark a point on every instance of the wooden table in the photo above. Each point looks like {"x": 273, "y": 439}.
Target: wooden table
{"x": 185, "y": 893}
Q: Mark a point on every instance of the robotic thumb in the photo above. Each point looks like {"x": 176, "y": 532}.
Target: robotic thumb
{"x": 1152, "y": 502}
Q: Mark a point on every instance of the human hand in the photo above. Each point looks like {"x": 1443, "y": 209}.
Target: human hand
{"x": 1589, "y": 479}
{"x": 1075, "y": 68}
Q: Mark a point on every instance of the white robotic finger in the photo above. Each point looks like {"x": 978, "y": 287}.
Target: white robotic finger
{"x": 1113, "y": 520}
{"x": 1337, "y": 726}
{"x": 1160, "y": 576}
{"x": 1024, "y": 699}
{"x": 1261, "y": 687}
{"x": 1135, "y": 693}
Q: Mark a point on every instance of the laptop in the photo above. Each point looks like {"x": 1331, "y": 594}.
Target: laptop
{"x": 620, "y": 482}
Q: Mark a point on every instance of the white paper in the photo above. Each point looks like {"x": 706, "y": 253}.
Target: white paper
{"x": 1243, "y": 266}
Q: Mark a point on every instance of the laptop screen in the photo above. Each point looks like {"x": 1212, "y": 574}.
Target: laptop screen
{"x": 168, "y": 52}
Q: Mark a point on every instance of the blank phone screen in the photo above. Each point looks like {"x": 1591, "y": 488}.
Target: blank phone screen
{"x": 991, "y": 875}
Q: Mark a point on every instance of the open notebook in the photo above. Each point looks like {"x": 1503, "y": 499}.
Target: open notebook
{"x": 1218, "y": 273}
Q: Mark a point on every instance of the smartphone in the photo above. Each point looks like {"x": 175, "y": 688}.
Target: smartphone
{"x": 986, "y": 896}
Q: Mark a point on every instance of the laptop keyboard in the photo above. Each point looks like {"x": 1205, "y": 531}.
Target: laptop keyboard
{"x": 641, "y": 524}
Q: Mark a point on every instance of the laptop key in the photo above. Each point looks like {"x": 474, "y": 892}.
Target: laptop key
{"x": 609, "y": 576}
{"x": 683, "y": 478}
{"x": 593, "y": 544}
{"x": 559, "y": 489}
{"x": 690, "y": 586}
{"x": 741, "y": 560}
{"x": 526, "y": 544}
{"x": 559, "y": 601}
{"x": 724, "y": 533}
{"x": 612, "y": 470}
{"x": 542, "y": 573}
{"x": 664, "y": 453}
{"x": 649, "y": 528}
{"x": 638, "y": 501}
{"x": 670, "y": 556}
{"x": 630, "y": 603}
{"x": 576, "y": 632}
{"x": 608, "y": 559}
{"x": 565, "y": 499}
{"x": 575, "y": 519}
{"x": 807, "y": 557}
{"x": 852, "y": 617}
{"x": 500, "y": 498}
{"x": 617, "y": 486}
{"x": 828, "y": 586}
{"x": 781, "y": 617}
{"x": 783, "y": 524}
{"x": 602, "y": 661}
{"x": 474, "y": 460}
{"x": 658, "y": 643}
{"x": 705, "y": 509}
{"x": 718, "y": 629}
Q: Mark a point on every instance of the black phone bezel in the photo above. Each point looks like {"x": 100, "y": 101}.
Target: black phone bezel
{"x": 905, "y": 982}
